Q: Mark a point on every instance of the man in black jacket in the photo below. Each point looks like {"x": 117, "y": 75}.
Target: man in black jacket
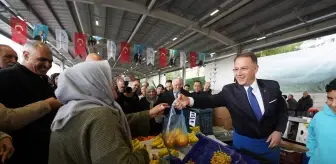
{"x": 292, "y": 103}
{"x": 170, "y": 96}
{"x": 258, "y": 111}
{"x": 21, "y": 85}
{"x": 197, "y": 89}
{"x": 304, "y": 104}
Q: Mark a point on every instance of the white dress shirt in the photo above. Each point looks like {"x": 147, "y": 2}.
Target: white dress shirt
{"x": 257, "y": 94}
{"x": 255, "y": 91}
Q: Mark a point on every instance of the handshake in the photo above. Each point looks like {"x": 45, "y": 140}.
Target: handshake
{"x": 181, "y": 101}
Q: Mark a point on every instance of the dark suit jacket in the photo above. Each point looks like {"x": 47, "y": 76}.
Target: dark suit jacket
{"x": 234, "y": 97}
{"x": 168, "y": 97}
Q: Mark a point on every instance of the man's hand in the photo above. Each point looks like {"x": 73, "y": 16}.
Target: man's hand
{"x": 158, "y": 110}
{"x": 274, "y": 139}
{"x": 181, "y": 102}
{"x": 6, "y": 149}
{"x": 53, "y": 103}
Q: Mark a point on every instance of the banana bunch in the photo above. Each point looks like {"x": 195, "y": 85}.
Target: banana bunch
{"x": 174, "y": 153}
{"x": 164, "y": 152}
{"x": 158, "y": 142}
{"x": 192, "y": 137}
{"x": 137, "y": 144}
{"x": 195, "y": 129}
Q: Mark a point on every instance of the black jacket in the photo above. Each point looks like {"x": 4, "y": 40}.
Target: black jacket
{"x": 234, "y": 97}
{"x": 304, "y": 103}
{"x": 129, "y": 104}
{"x": 168, "y": 97}
{"x": 198, "y": 94}
{"x": 292, "y": 104}
{"x": 19, "y": 87}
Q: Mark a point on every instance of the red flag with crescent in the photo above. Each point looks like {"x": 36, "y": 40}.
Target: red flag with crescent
{"x": 80, "y": 44}
{"x": 125, "y": 53}
{"x": 163, "y": 57}
{"x": 19, "y": 30}
{"x": 193, "y": 59}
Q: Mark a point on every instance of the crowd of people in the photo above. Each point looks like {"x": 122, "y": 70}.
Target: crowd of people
{"x": 84, "y": 116}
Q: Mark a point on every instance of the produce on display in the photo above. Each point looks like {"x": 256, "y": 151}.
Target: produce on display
{"x": 220, "y": 158}
{"x": 141, "y": 138}
{"x": 137, "y": 144}
{"x": 158, "y": 142}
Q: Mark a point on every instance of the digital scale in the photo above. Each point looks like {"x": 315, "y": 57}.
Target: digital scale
{"x": 297, "y": 130}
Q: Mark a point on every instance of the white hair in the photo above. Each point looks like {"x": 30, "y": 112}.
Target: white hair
{"x": 31, "y": 46}
{"x": 178, "y": 79}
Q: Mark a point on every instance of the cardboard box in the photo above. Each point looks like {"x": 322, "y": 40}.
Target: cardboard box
{"x": 222, "y": 118}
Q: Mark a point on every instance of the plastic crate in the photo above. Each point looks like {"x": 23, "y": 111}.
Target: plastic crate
{"x": 203, "y": 119}
{"x": 203, "y": 151}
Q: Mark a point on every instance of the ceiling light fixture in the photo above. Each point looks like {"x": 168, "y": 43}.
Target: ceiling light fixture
{"x": 144, "y": 59}
{"x": 212, "y": 54}
{"x": 98, "y": 53}
{"x": 155, "y": 51}
{"x": 174, "y": 38}
{"x": 214, "y": 12}
{"x": 97, "y": 22}
{"x": 98, "y": 42}
{"x": 261, "y": 38}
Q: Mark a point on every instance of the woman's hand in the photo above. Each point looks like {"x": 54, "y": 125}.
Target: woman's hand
{"x": 158, "y": 110}
{"x": 6, "y": 148}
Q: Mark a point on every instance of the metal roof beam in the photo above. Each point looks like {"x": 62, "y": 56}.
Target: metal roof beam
{"x": 55, "y": 16}
{"x": 163, "y": 15}
{"x": 150, "y": 6}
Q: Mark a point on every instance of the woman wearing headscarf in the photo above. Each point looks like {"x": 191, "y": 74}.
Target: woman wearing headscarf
{"x": 148, "y": 102}
{"x": 91, "y": 128}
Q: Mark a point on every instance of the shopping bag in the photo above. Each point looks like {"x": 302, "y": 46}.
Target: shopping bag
{"x": 175, "y": 131}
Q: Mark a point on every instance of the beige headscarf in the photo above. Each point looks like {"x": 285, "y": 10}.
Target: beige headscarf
{"x": 83, "y": 87}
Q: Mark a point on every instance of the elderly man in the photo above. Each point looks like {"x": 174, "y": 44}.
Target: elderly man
{"x": 8, "y": 56}
{"x": 170, "y": 96}
{"x": 24, "y": 84}
{"x": 304, "y": 103}
{"x": 93, "y": 57}
{"x": 258, "y": 111}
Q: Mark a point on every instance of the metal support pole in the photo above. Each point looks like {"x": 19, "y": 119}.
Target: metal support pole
{"x": 183, "y": 74}
{"x": 62, "y": 65}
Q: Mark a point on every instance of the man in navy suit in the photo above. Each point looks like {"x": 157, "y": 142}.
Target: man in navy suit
{"x": 258, "y": 111}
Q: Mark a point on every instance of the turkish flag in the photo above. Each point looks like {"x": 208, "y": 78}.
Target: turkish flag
{"x": 125, "y": 53}
{"x": 163, "y": 57}
{"x": 80, "y": 44}
{"x": 193, "y": 59}
{"x": 19, "y": 30}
